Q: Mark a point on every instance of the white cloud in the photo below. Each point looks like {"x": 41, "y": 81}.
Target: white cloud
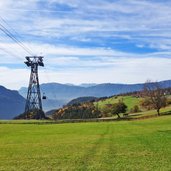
{"x": 13, "y": 78}
{"x": 50, "y": 32}
{"x": 48, "y": 50}
{"x": 122, "y": 70}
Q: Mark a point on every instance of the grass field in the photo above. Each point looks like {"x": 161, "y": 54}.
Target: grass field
{"x": 126, "y": 145}
{"x": 130, "y": 101}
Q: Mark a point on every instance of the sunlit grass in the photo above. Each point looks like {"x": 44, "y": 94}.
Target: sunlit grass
{"x": 130, "y": 101}
{"x": 127, "y": 145}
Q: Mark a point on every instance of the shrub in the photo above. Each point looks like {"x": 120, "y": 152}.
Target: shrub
{"x": 169, "y": 101}
{"x": 79, "y": 111}
{"x": 135, "y": 109}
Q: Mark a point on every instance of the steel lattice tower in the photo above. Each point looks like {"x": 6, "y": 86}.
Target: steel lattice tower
{"x": 34, "y": 102}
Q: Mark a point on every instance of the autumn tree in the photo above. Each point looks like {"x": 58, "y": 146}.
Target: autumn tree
{"x": 85, "y": 110}
{"x": 106, "y": 110}
{"x": 155, "y": 95}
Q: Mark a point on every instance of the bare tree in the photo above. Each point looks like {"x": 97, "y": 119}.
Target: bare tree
{"x": 154, "y": 93}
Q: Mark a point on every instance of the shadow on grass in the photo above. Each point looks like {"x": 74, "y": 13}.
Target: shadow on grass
{"x": 166, "y": 113}
{"x": 165, "y": 131}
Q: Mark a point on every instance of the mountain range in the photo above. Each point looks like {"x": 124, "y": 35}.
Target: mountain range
{"x": 60, "y": 94}
{"x": 12, "y": 102}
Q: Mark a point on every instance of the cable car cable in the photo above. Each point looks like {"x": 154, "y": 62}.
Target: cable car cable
{"x": 16, "y": 34}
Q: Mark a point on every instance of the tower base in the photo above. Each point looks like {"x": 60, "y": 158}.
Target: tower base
{"x": 34, "y": 114}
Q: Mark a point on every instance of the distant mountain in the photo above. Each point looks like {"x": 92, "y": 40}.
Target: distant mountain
{"x": 87, "y": 85}
{"x": 11, "y": 103}
{"x": 60, "y": 94}
{"x": 49, "y": 104}
{"x": 57, "y": 94}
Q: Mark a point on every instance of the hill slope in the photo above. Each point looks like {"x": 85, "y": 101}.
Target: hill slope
{"x": 11, "y": 103}
{"x": 81, "y": 100}
{"x": 130, "y": 101}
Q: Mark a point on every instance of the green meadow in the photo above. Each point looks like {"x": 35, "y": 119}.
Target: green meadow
{"x": 122, "y": 145}
{"x": 130, "y": 101}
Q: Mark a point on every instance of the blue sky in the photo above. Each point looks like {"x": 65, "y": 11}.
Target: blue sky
{"x": 87, "y": 41}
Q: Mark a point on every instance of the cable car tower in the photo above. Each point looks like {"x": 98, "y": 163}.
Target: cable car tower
{"x": 33, "y": 101}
